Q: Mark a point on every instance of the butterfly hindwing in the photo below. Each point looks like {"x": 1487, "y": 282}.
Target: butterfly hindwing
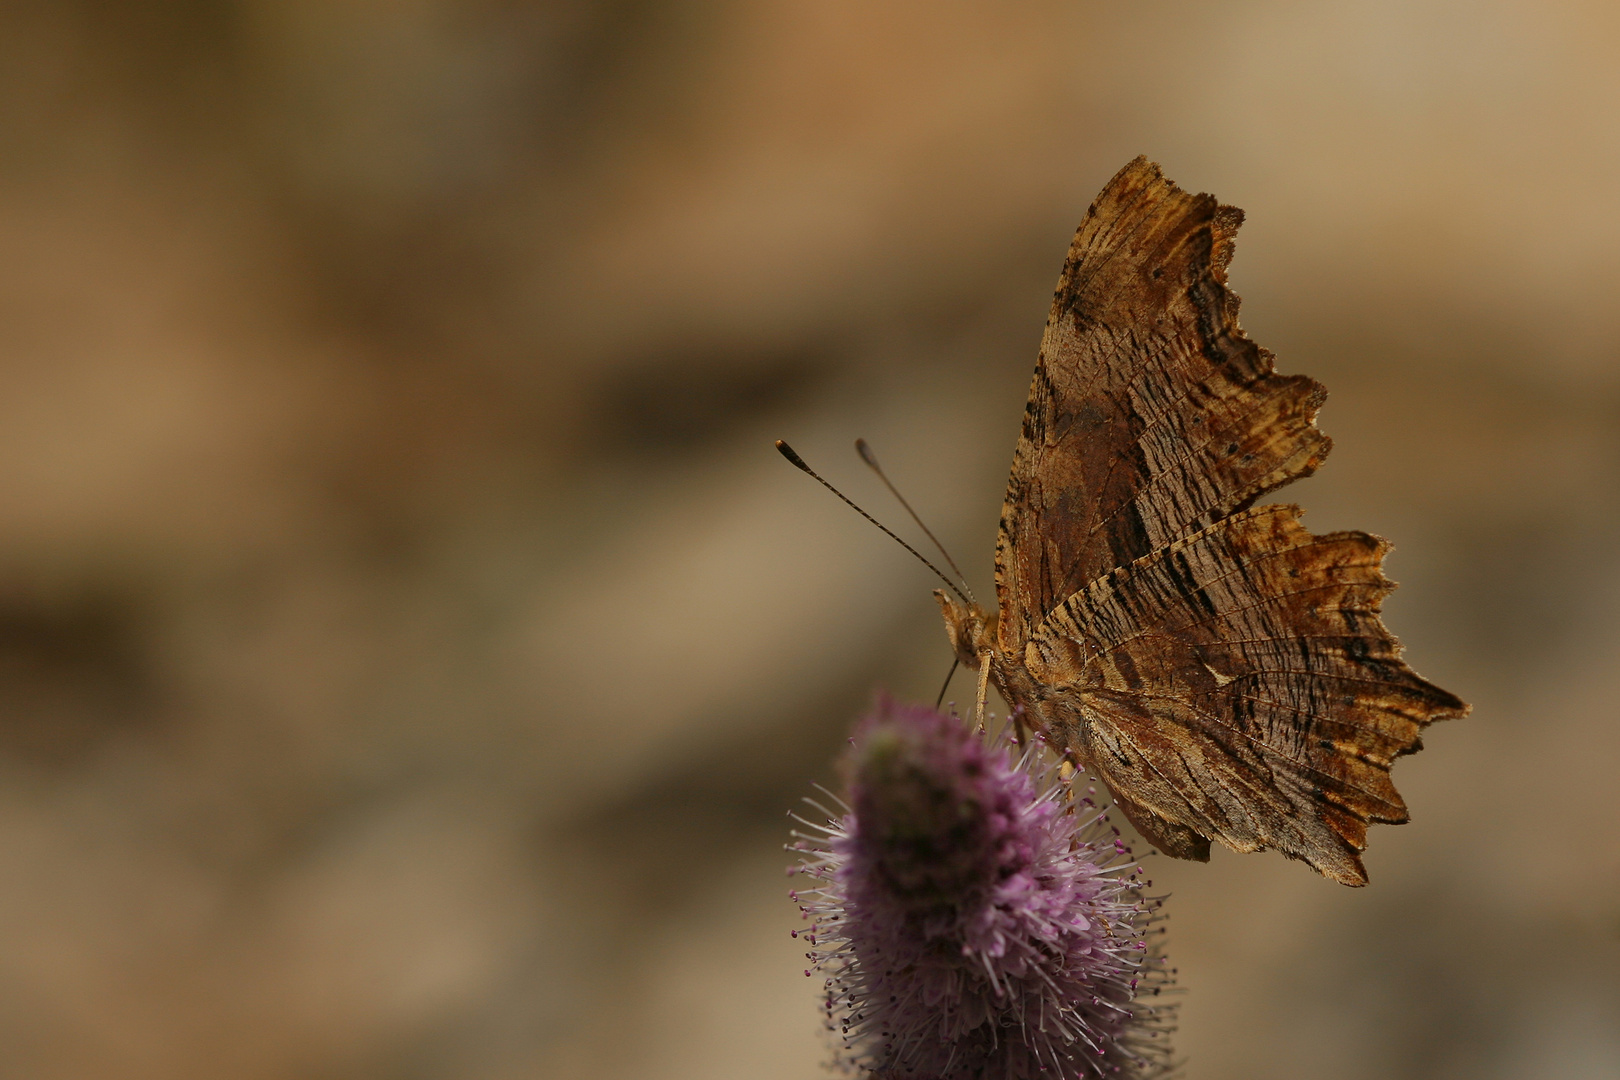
{"x": 1240, "y": 685}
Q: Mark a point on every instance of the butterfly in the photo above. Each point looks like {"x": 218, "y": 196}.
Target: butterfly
{"x": 1221, "y": 669}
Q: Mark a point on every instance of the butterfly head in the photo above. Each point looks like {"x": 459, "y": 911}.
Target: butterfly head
{"x": 971, "y": 629}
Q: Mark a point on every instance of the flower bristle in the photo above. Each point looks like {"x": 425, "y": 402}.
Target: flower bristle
{"x": 972, "y": 918}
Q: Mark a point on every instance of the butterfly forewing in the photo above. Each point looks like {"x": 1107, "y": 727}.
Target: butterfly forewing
{"x": 1150, "y": 413}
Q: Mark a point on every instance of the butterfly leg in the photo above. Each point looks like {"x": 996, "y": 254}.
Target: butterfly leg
{"x": 984, "y": 688}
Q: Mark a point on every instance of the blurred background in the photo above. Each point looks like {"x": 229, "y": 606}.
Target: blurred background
{"x": 410, "y": 643}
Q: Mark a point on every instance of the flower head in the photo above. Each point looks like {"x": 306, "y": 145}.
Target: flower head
{"x": 973, "y": 921}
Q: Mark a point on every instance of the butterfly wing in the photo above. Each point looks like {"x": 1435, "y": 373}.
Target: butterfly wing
{"x": 1150, "y": 414}
{"x": 1240, "y": 685}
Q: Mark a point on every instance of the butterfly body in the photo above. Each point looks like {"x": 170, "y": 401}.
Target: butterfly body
{"x": 1224, "y": 671}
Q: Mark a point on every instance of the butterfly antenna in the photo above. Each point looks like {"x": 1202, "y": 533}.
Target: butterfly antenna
{"x": 798, "y": 463}
{"x": 867, "y": 456}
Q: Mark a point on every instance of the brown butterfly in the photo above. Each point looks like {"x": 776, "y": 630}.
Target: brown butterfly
{"x": 1224, "y": 671}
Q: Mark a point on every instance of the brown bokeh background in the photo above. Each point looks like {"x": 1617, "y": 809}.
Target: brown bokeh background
{"x": 410, "y": 643}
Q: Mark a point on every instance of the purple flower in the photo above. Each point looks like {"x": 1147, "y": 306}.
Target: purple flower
{"x": 973, "y": 921}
